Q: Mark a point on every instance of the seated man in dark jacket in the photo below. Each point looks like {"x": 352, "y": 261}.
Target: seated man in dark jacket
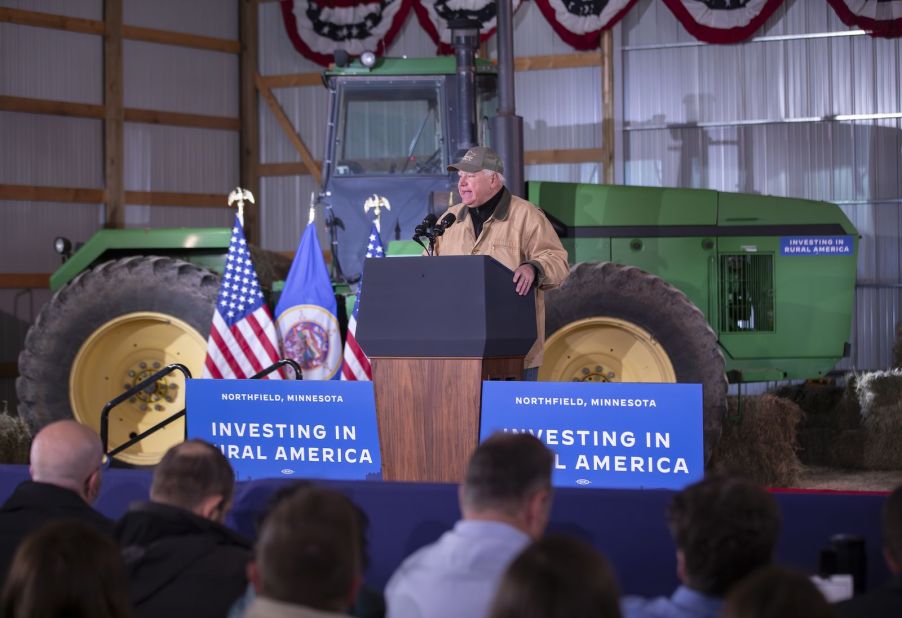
{"x": 65, "y": 480}
{"x": 182, "y": 560}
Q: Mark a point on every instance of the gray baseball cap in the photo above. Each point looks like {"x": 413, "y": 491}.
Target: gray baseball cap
{"x": 479, "y": 158}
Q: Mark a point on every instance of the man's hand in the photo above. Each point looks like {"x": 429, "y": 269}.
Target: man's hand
{"x": 524, "y": 277}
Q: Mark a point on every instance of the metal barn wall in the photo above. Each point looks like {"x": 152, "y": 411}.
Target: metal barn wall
{"x": 59, "y": 151}
{"x": 806, "y": 109}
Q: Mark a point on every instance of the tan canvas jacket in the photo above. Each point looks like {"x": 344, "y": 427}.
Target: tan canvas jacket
{"x": 515, "y": 234}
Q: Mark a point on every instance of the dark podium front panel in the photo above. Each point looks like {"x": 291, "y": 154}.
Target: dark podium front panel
{"x": 446, "y": 306}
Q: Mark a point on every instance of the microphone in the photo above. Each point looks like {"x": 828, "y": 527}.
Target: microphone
{"x": 446, "y": 222}
{"x": 423, "y": 227}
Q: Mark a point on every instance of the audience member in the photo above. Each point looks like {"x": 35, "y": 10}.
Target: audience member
{"x": 775, "y": 592}
{"x": 723, "y": 528}
{"x": 886, "y": 600}
{"x": 558, "y": 577}
{"x": 369, "y": 602}
{"x": 307, "y": 557}
{"x": 181, "y": 559}
{"x": 65, "y": 480}
{"x": 66, "y": 568}
{"x": 505, "y": 500}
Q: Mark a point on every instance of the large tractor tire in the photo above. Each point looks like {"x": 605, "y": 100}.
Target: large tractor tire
{"x": 614, "y": 323}
{"x": 108, "y": 329}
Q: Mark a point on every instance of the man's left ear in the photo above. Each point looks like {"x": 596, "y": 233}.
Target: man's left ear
{"x": 92, "y": 486}
{"x": 212, "y": 508}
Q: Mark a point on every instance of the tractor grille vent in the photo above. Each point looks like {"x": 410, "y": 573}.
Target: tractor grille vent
{"x": 747, "y": 289}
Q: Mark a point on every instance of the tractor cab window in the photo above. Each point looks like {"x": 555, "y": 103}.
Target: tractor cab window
{"x": 391, "y": 127}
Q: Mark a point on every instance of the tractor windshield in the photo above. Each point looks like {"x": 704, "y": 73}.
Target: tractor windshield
{"x": 390, "y": 127}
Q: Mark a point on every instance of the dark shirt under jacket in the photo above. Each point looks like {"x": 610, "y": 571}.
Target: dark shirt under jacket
{"x": 180, "y": 564}
{"x": 32, "y": 505}
{"x": 481, "y": 214}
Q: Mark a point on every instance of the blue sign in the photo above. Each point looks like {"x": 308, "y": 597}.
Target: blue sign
{"x": 288, "y": 428}
{"x": 612, "y": 435}
{"x": 816, "y": 245}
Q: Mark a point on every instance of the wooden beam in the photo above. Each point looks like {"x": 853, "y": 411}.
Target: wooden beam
{"x": 312, "y": 166}
{"x": 249, "y": 114}
{"x": 114, "y": 118}
{"x": 575, "y": 155}
{"x": 607, "y": 106}
{"x": 181, "y": 39}
{"x": 134, "y": 33}
{"x": 283, "y": 169}
{"x": 293, "y": 80}
{"x": 48, "y": 20}
{"x": 164, "y": 198}
{"x": 30, "y": 193}
{"x": 86, "y": 110}
{"x": 202, "y": 121}
{"x": 559, "y": 61}
{"x": 53, "y": 108}
{"x": 24, "y": 281}
{"x": 9, "y": 370}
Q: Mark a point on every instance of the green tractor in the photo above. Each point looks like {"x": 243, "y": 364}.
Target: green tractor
{"x": 667, "y": 285}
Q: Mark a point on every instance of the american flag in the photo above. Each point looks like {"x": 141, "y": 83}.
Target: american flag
{"x": 243, "y": 338}
{"x": 356, "y": 365}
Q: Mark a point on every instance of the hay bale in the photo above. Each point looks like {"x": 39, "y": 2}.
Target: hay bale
{"x": 759, "y": 440}
{"x": 880, "y": 397}
{"x": 15, "y": 440}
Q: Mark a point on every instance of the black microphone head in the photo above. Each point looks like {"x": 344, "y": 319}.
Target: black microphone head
{"x": 430, "y": 220}
{"x": 448, "y": 219}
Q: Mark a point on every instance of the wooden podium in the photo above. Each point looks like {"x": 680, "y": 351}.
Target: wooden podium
{"x": 434, "y": 329}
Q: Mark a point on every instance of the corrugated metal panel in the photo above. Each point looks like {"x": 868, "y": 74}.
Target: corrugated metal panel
{"x": 86, "y": 9}
{"x": 177, "y": 216}
{"x": 552, "y": 121}
{"x": 51, "y": 150}
{"x": 569, "y": 172}
{"x": 533, "y": 35}
{"x": 28, "y": 230}
{"x": 285, "y": 203}
{"x": 216, "y": 18}
{"x": 276, "y": 53}
{"x": 412, "y": 40}
{"x": 180, "y": 159}
{"x": 180, "y": 79}
{"x": 308, "y": 110}
{"x": 42, "y": 63}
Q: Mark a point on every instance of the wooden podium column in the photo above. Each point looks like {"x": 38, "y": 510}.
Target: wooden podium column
{"x": 428, "y": 411}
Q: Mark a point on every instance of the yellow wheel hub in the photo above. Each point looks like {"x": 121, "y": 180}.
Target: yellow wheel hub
{"x": 604, "y": 349}
{"x": 122, "y": 353}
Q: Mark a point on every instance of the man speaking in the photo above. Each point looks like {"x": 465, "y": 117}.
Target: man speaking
{"x": 492, "y": 222}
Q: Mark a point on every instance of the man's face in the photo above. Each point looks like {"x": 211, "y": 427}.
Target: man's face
{"x": 475, "y": 189}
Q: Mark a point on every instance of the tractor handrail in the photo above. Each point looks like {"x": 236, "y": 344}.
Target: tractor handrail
{"x": 277, "y": 365}
{"x": 105, "y": 415}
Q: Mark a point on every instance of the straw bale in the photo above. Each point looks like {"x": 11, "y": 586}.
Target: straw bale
{"x": 759, "y": 440}
{"x": 15, "y": 440}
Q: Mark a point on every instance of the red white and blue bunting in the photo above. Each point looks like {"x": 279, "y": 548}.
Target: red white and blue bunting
{"x": 722, "y": 21}
{"x": 580, "y": 23}
{"x": 434, "y": 16}
{"x": 319, "y": 28}
{"x": 881, "y": 18}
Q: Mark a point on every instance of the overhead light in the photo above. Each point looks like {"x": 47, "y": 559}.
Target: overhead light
{"x": 63, "y": 246}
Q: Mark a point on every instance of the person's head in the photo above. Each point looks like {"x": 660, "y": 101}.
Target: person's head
{"x": 775, "y": 592}
{"x": 557, "y": 577}
{"x": 724, "y": 528}
{"x": 68, "y": 454}
{"x": 66, "y": 568}
{"x": 892, "y": 531}
{"x": 508, "y": 479}
{"x": 195, "y": 476}
{"x": 308, "y": 551}
{"x": 480, "y": 175}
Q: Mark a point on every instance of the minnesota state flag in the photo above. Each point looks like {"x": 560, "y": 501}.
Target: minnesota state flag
{"x": 306, "y": 313}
